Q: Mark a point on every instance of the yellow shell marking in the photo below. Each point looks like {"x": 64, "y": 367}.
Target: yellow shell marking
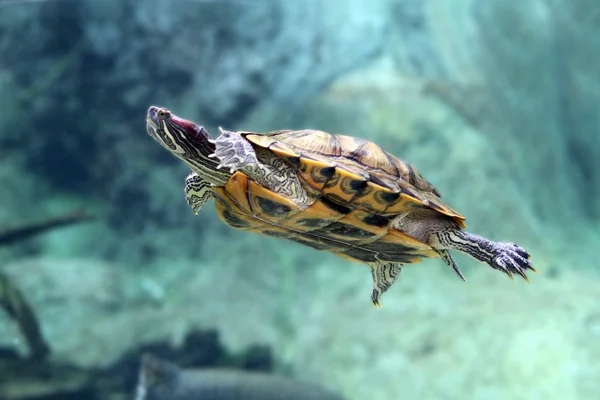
{"x": 349, "y": 233}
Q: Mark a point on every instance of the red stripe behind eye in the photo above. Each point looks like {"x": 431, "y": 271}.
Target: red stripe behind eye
{"x": 184, "y": 124}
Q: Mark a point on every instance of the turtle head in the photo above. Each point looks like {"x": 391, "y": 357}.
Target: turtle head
{"x": 185, "y": 140}
{"x": 179, "y": 136}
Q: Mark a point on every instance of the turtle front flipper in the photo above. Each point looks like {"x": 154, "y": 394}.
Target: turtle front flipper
{"x": 384, "y": 276}
{"x": 236, "y": 153}
{"x": 197, "y": 191}
{"x": 506, "y": 257}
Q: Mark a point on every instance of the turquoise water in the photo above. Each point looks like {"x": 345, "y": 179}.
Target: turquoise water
{"x": 494, "y": 102}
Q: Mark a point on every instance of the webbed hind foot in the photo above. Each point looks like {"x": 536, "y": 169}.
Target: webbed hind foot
{"x": 511, "y": 259}
{"x": 505, "y": 257}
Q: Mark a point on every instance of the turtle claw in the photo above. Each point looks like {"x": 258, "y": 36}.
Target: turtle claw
{"x": 511, "y": 259}
{"x": 377, "y": 304}
{"x": 522, "y": 274}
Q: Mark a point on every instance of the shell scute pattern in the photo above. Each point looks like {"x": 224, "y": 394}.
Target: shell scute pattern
{"x": 227, "y": 212}
{"x": 349, "y": 232}
{"x": 353, "y": 171}
{"x": 269, "y": 206}
{"x": 357, "y": 187}
{"x": 316, "y": 216}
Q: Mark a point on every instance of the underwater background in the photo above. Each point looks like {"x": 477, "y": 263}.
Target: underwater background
{"x": 495, "y": 102}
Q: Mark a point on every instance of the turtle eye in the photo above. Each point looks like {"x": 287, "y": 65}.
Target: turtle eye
{"x": 163, "y": 114}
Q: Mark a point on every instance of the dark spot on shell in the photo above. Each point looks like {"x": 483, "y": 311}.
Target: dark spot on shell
{"x": 233, "y": 220}
{"x": 277, "y": 234}
{"x": 322, "y": 175}
{"x": 346, "y": 230}
{"x": 272, "y": 208}
{"x": 309, "y": 243}
{"x": 327, "y": 172}
{"x": 359, "y": 254}
{"x": 332, "y": 182}
{"x": 338, "y": 199}
{"x": 396, "y": 252}
{"x": 389, "y": 197}
{"x": 382, "y": 251}
{"x": 313, "y": 222}
{"x": 362, "y": 193}
{"x": 335, "y": 206}
{"x": 376, "y": 220}
{"x": 352, "y": 186}
{"x": 319, "y": 242}
{"x": 358, "y": 185}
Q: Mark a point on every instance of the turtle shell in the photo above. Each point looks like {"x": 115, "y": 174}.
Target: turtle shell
{"x": 353, "y": 172}
{"x": 350, "y": 233}
{"x": 357, "y": 189}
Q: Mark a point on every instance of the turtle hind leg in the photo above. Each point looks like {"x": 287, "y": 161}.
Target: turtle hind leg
{"x": 506, "y": 257}
{"x": 197, "y": 191}
{"x": 443, "y": 233}
{"x": 384, "y": 276}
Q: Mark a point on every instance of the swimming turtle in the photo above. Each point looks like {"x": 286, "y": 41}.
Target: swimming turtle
{"x": 330, "y": 192}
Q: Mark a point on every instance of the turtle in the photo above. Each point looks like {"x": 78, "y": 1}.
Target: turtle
{"x": 330, "y": 192}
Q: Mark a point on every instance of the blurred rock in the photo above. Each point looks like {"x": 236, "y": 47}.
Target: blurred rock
{"x": 24, "y": 379}
{"x": 438, "y": 337}
{"x": 69, "y": 297}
